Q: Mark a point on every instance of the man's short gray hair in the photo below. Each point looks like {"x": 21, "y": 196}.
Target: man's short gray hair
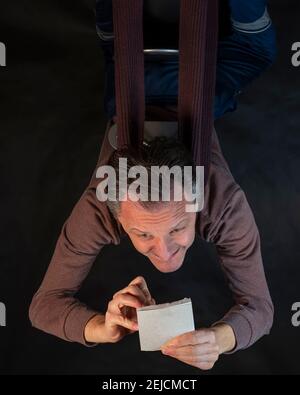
{"x": 161, "y": 151}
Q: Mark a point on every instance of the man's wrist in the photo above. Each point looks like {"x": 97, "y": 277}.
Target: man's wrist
{"x": 94, "y": 331}
{"x": 225, "y": 337}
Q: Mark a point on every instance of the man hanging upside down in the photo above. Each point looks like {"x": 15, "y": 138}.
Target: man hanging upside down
{"x": 164, "y": 231}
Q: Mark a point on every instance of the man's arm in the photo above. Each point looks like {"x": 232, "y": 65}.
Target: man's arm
{"x": 234, "y": 232}
{"x": 245, "y": 54}
{"x": 228, "y": 222}
{"x": 54, "y": 308}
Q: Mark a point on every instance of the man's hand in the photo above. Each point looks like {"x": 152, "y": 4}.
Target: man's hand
{"x": 120, "y": 318}
{"x": 201, "y": 348}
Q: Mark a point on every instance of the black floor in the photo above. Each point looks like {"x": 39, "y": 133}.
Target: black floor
{"x": 51, "y": 127}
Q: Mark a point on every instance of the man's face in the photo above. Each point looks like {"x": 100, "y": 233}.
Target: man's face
{"x": 163, "y": 235}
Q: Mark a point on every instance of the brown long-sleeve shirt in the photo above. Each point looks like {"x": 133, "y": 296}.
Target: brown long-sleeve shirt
{"x": 226, "y": 220}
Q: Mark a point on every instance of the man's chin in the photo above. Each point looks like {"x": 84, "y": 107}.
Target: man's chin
{"x": 168, "y": 267}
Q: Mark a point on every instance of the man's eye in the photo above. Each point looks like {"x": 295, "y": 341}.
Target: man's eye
{"x": 144, "y": 236}
{"x": 177, "y": 230}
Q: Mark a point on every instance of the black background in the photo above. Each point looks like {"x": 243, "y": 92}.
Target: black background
{"x": 51, "y": 127}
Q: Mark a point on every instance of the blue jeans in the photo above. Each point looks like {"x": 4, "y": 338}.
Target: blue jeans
{"x": 242, "y": 56}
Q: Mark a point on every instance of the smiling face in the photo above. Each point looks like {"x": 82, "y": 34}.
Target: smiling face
{"x": 163, "y": 235}
{"x": 159, "y": 229}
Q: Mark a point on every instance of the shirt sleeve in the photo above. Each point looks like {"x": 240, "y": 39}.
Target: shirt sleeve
{"x": 54, "y": 308}
{"x": 227, "y": 221}
{"x": 245, "y": 54}
{"x": 237, "y": 241}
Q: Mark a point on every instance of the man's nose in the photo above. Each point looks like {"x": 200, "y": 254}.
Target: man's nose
{"x": 165, "y": 249}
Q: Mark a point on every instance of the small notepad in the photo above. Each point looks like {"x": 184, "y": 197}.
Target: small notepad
{"x": 160, "y": 323}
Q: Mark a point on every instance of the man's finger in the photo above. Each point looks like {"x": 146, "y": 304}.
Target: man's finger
{"x": 141, "y": 283}
{"x": 122, "y": 300}
{"x": 133, "y": 290}
{"x": 196, "y": 352}
{"x": 199, "y": 336}
{"x": 117, "y": 319}
{"x": 200, "y": 365}
{"x": 209, "y": 358}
